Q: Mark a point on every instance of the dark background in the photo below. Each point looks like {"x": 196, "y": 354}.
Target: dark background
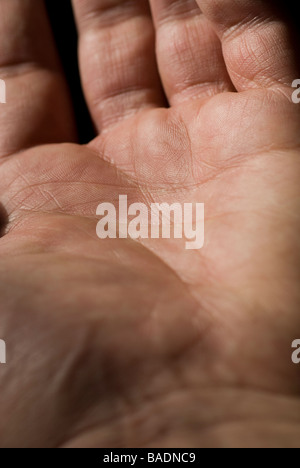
{"x": 61, "y": 17}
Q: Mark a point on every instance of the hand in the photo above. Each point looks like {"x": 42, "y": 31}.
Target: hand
{"x": 122, "y": 343}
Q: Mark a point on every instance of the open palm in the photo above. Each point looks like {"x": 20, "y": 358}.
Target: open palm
{"x": 122, "y": 343}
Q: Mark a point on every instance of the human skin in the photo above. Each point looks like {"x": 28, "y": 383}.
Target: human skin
{"x": 122, "y": 343}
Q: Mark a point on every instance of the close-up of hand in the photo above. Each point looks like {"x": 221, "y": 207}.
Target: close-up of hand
{"x": 143, "y": 343}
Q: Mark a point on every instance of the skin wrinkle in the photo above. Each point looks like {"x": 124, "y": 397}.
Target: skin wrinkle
{"x": 136, "y": 241}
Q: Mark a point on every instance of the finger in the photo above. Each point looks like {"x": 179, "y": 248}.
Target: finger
{"x": 117, "y": 58}
{"x": 189, "y": 52}
{"x": 256, "y": 43}
{"x": 37, "y": 108}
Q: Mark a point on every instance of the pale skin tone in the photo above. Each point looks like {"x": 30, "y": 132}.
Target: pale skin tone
{"x": 121, "y": 343}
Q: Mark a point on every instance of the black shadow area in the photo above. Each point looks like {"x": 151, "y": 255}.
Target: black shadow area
{"x": 63, "y": 25}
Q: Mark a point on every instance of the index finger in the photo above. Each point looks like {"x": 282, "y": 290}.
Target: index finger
{"x": 37, "y": 108}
